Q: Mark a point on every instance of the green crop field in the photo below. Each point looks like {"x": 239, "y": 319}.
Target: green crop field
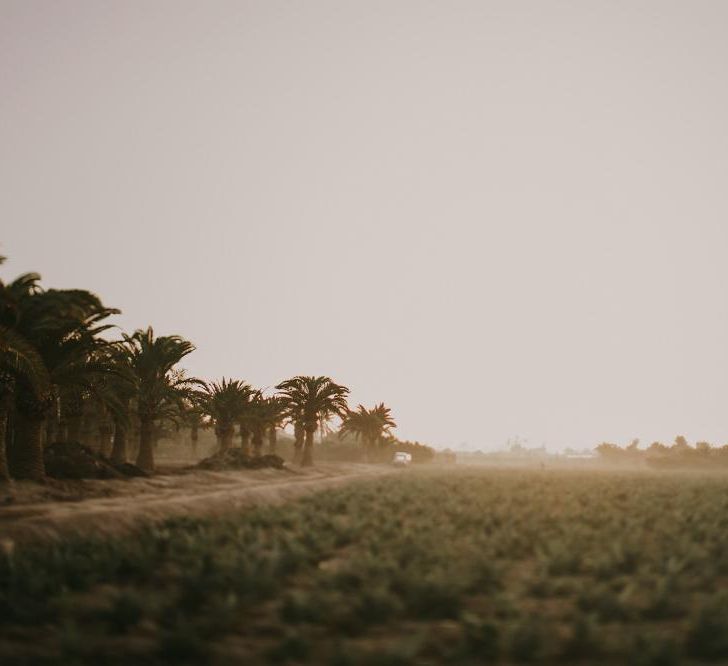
{"x": 422, "y": 567}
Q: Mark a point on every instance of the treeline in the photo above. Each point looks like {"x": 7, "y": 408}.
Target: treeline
{"x": 339, "y": 447}
{"x": 680, "y": 454}
{"x": 62, "y": 380}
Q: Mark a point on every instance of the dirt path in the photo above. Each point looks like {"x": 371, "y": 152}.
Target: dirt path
{"x": 129, "y": 502}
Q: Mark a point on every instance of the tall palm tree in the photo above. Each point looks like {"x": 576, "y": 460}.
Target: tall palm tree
{"x": 19, "y": 363}
{"x": 370, "y": 425}
{"x": 63, "y": 327}
{"x": 160, "y": 389}
{"x": 293, "y": 415}
{"x": 225, "y": 403}
{"x": 116, "y": 395}
{"x": 22, "y": 374}
{"x": 313, "y": 400}
{"x": 384, "y": 421}
{"x": 19, "y": 359}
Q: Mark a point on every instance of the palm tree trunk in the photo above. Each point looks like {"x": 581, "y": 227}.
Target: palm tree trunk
{"x": 90, "y": 433}
{"x": 118, "y": 448}
{"x": 244, "y": 440}
{"x": 194, "y": 436}
{"x": 27, "y": 459}
{"x": 134, "y": 437}
{"x": 298, "y": 435}
{"x": 257, "y": 441}
{"x": 4, "y": 409}
{"x": 51, "y": 430}
{"x": 53, "y": 423}
{"x": 272, "y": 440}
{"x": 145, "y": 458}
{"x": 307, "y": 459}
{"x": 225, "y": 436}
{"x": 368, "y": 448}
{"x": 75, "y": 424}
{"x": 104, "y": 434}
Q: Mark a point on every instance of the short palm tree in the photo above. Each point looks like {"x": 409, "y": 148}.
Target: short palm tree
{"x": 225, "y": 403}
{"x": 160, "y": 389}
{"x": 370, "y": 425}
{"x": 193, "y": 417}
{"x": 256, "y": 418}
{"x": 264, "y": 416}
{"x": 312, "y": 401}
{"x": 247, "y": 418}
{"x": 275, "y": 415}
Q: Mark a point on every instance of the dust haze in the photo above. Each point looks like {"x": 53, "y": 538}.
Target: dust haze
{"x": 505, "y": 218}
{"x": 363, "y": 332}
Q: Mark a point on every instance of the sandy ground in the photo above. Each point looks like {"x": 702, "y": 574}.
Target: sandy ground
{"x": 30, "y": 512}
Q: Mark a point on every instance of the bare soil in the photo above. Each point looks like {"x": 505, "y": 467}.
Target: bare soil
{"x": 30, "y": 511}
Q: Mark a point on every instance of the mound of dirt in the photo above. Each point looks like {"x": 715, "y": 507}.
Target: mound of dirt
{"x": 71, "y": 460}
{"x": 236, "y": 459}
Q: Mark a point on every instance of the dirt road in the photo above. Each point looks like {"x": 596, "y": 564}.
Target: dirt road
{"x": 37, "y": 512}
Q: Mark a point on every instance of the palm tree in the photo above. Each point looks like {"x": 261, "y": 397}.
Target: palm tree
{"x": 312, "y": 401}
{"x": 19, "y": 363}
{"x": 116, "y": 395}
{"x": 22, "y": 374}
{"x": 384, "y": 420}
{"x": 19, "y": 360}
{"x": 275, "y": 416}
{"x": 225, "y": 403}
{"x": 368, "y": 424}
{"x": 263, "y": 416}
{"x": 257, "y": 419}
{"x": 246, "y": 418}
{"x": 193, "y": 418}
{"x": 62, "y": 326}
{"x": 160, "y": 389}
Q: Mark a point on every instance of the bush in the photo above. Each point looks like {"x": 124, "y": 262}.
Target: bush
{"x": 235, "y": 458}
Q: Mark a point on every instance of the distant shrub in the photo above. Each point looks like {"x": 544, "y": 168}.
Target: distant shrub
{"x": 659, "y": 456}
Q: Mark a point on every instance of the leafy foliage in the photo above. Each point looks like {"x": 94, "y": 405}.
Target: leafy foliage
{"x": 312, "y": 401}
{"x": 371, "y": 425}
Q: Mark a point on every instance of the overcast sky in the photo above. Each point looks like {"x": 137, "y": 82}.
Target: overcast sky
{"x": 498, "y": 217}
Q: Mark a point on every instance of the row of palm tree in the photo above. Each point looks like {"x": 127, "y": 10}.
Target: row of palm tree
{"x": 63, "y": 380}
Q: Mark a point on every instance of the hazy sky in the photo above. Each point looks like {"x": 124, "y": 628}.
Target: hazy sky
{"x": 500, "y": 218}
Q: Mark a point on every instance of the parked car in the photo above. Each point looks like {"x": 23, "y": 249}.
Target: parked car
{"x": 401, "y": 459}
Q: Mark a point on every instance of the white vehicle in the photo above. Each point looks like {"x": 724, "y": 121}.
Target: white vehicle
{"x": 401, "y": 459}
